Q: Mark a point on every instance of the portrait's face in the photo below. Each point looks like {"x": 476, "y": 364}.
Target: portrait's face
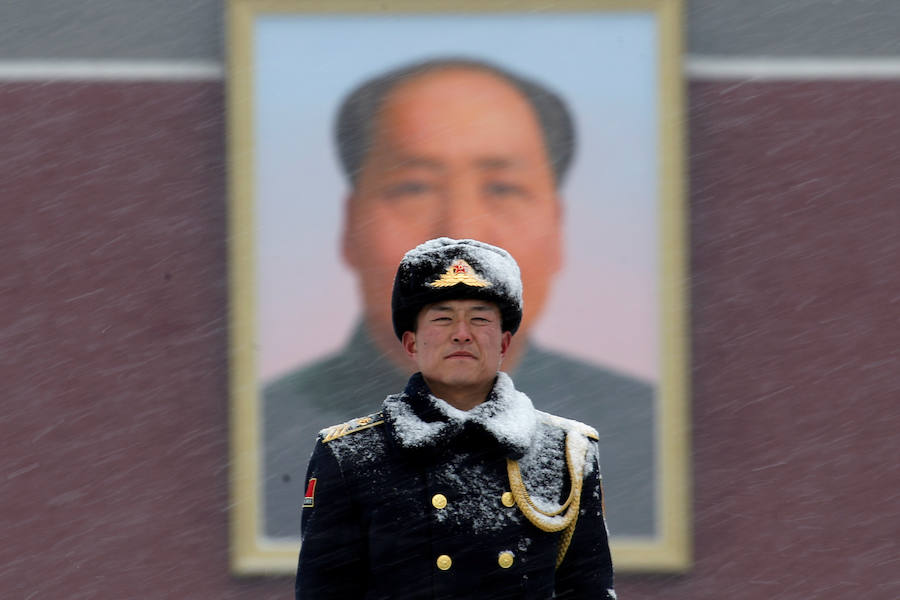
{"x": 456, "y": 153}
{"x": 458, "y": 344}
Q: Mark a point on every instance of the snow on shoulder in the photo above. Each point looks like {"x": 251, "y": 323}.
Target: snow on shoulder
{"x": 569, "y": 425}
{"x": 560, "y": 457}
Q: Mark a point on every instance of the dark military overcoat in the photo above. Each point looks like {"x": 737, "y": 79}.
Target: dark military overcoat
{"x": 423, "y": 501}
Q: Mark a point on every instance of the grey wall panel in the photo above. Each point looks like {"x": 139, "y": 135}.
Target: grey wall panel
{"x": 794, "y": 27}
{"x": 111, "y": 29}
{"x": 193, "y": 29}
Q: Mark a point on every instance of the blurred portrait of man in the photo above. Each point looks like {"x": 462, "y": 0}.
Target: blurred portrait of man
{"x": 464, "y": 149}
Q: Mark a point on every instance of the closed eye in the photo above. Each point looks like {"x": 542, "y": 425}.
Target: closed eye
{"x": 409, "y": 188}
{"x": 503, "y": 189}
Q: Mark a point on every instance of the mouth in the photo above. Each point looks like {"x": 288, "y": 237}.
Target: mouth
{"x": 460, "y": 355}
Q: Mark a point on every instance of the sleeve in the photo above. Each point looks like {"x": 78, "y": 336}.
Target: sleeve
{"x": 587, "y": 571}
{"x": 332, "y": 549}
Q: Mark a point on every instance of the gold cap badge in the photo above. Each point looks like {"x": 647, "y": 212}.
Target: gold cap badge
{"x": 459, "y": 272}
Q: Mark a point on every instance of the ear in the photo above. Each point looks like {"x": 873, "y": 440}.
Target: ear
{"x": 555, "y": 244}
{"x": 409, "y": 343}
{"x": 505, "y": 341}
{"x": 348, "y": 247}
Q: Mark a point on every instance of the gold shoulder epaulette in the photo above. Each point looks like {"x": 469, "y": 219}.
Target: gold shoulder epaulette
{"x": 571, "y": 425}
{"x": 587, "y": 430}
{"x": 336, "y": 431}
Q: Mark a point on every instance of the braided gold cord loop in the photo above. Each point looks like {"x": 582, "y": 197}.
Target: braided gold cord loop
{"x": 524, "y": 501}
{"x": 534, "y": 514}
{"x": 541, "y": 518}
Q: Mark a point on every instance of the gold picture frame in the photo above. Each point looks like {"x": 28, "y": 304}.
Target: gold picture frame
{"x": 253, "y": 552}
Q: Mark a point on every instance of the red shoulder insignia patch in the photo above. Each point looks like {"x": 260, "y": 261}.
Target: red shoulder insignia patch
{"x": 308, "y": 500}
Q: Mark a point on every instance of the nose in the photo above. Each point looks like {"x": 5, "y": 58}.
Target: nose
{"x": 461, "y": 332}
{"x": 464, "y": 214}
{"x": 460, "y": 222}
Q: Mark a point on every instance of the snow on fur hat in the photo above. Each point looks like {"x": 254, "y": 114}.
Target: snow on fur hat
{"x": 448, "y": 269}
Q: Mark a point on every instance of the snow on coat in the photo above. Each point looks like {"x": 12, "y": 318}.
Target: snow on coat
{"x": 416, "y": 502}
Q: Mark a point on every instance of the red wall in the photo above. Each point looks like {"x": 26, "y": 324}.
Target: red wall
{"x": 113, "y": 343}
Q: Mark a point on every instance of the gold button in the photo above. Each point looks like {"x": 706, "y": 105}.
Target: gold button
{"x": 439, "y": 501}
{"x": 507, "y": 499}
{"x": 505, "y": 559}
{"x": 444, "y": 562}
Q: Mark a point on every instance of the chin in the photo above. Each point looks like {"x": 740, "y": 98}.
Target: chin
{"x": 468, "y": 380}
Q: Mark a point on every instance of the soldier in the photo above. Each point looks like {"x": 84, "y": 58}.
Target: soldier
{"x": 458, "y": 487}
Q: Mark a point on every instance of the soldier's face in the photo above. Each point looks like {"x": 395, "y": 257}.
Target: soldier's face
{"x": 455, "y": 153}
{"x": 458, "y": 345}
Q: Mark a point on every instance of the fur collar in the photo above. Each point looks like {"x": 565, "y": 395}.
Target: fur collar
{"x": 418, "y": 419}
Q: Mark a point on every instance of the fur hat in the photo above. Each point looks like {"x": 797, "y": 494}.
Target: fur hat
{"x": 448, "y": 269}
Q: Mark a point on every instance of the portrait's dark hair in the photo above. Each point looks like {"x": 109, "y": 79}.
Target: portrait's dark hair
{"x": 360, "y": 108}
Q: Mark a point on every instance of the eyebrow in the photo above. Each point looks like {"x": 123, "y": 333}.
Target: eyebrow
{"x": 499, "y": 163}
{"x": 419, "y": 162}
{"x": 481, "y": 307}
